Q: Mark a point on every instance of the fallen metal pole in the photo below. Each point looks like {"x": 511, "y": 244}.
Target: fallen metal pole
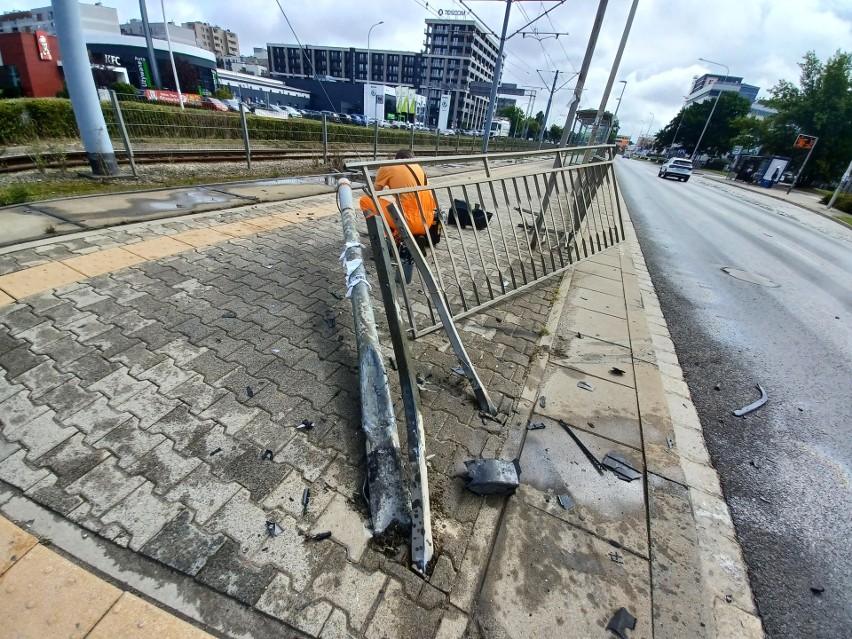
{"x": 422, "y": 546}
{"x": 388, "y": 496}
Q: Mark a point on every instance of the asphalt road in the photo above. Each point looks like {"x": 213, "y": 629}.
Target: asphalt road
{"x": 786, "y": 469}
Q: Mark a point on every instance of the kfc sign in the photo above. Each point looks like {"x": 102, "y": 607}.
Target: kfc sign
{"x": 43, "y": 46}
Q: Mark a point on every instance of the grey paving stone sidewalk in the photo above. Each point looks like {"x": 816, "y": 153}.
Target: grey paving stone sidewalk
{"x": 140, "y": 404}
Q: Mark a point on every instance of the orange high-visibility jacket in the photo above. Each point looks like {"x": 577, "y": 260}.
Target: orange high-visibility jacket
{"x": 400, "y": 177}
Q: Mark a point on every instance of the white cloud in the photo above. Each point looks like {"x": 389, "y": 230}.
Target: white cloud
{"x": 760, "y": 40}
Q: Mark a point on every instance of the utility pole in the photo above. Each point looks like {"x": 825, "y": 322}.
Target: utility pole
{"x": 81, "y": 87}
{"x": 612, "y": 73}
{"x": 713, "y": 109}
{"x": 844, "y": 182}
{"x": 584, "y": 71}
{"x": 152, "y": 57}
{"x": 171, "y": 54}
{"x": 547, "y": 110}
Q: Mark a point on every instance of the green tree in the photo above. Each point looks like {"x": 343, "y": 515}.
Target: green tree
{"x": 820, "y": 106}
{"x": 516, "y": 117}
{"x": 223, "y": 93}
{"x": 724, "y": 127}
{"x": 554, "y": 133}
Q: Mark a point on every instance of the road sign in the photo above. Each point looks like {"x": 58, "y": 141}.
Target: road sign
{"x": 738, "y": 150}
{"x": 805, "y": 142}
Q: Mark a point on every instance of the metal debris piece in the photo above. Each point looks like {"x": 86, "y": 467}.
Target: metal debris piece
{"x": 229, "y": 315}
{"x": 306, "y": 498}
{"x": 268, "y": 455}
{"x": 319, "y": 536}
{"x": 617, "y": 557}
{"x": 669, "y": 442}
{"x": 586, "y": 386}
{"x": 579, "y": 335}
{"x": 305, "y": 425}
{"x": 565, "y": 501}
{"x": 215, "y": 451}
{"x": 276, "y": 350}
{"x": 717, "y": 387}
{"x": 273, "y": 529}
{"x": 620, "y": 466}
{"x": 817, "y": 590}
{"x": 616, "y": 371}
{"x": 620, "y": 622}
{"x": 542, "y": 401}
{"x": 536, "y": 426}
{"x": 589, "y": 455}
{"x": 493, "y": 476}
{"x": 745, "y": 410}
{"x": 458, "y": 370}
{"x": 249, "y": 391}
{"x": 729, "y": 598}
{"x": 754, "y": 463}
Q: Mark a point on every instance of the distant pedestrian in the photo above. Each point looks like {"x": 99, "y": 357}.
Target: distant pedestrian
{"x": 775, "y": 176}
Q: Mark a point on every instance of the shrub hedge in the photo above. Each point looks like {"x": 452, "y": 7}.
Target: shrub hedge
{"x": 23, "y": 120}
{"x": 842, "y": 203}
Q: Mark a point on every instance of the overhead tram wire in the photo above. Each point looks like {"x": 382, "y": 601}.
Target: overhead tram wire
{"x": 316, "y": 77}
{"x": 564, "y": 50}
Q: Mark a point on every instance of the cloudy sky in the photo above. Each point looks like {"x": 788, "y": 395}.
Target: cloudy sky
{"x": 760, "y": 40}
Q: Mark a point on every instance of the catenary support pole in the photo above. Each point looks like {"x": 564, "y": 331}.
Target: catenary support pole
{"x": 547, "y": 109}
{"x": 325, "y": 140}
{"x": 498, "y": 69}
{"x": 389, "y": 499}
{"x": 246, "y": 141}
{"x": 149, "y": 41}
{"x": 584, "y": 71}
{"x": 171, "y": 54}
{"x": 122, "y": 128}
{"x": 81, "y": 87}
{"x": 844, "y": 182}
{"x": 612, "y": 73}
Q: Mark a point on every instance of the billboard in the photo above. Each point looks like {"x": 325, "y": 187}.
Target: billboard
{"x": 43, "y": 46}
{"x": 805, "y": 142}
{"x": 444, "y": 112}
{"x": 172, "y": 97}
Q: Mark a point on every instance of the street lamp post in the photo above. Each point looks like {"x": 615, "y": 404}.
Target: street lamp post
{"x": 617, "y": 107}
{"x": 679, "y": 122}
{"x": 650, "y": 124}
{"x": 369, "y": 62}
{"x": 718, "y": 97}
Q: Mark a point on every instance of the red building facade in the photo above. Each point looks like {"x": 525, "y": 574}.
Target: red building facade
{"x": 30, "y": 62}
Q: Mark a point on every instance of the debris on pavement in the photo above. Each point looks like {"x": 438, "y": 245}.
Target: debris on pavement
{"x": 729, "y": 598}
{"x": 717, "y": 387}
{"x": 273, "y": 529}
{"x": 620, "y": 622}
{"x": 669, "y": 442}
{"x": 817, "y": 590}
{"x": 306, "y": 499}
{"x": 305, "y": 425}
{"x": 458, "y": 370}
{"x": 589, "y": 455}
{"x": 620, "y": 466}
{"x": 745, "y": 410}
{"x": 535, "y": 426}
{"x": 330, "y": 320}
{"x": 268, "y": 455}
{"x": 493, "y": 476}
{"x": 392, "y": 363}
{"x": 565, "y": 501}
{"x": 229, "y": 315}
{"x": 542, "y": 401}
{"x": 215, "y": 451}
{"x": 319, "y": 536}
{"x": 616, "y": 371}
{"x": 586, "y": 386}
{"x": 249, "y": 391}
{"x": 616, "y": 557}
{"x": 579, "y": 336}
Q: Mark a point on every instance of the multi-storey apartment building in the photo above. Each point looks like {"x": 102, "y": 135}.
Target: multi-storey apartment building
{"x": 222, "y": 42}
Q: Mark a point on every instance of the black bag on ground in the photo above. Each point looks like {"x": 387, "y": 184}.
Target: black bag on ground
{"x": 479, "y": 217}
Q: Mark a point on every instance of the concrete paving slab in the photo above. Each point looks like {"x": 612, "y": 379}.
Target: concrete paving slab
{"x": 45, "y": 595}
{"x": 593, "y": 324}
{"x": 597, "y": 283}
{"x": 608, "y": 271}
{"x": 548, "y": 579}
{"x": 133, "y": 618}
{"x": 275, "y": 190}
{"x": 593, "y": 357}
{"x": 158, "y": 248}
{"x": 599, "y": 302}
{"x": 201, "y": 237}
{"x": 14, "y": 544}
{"x": 5, "y": 299}
{"x": 37, "y": 279}
{"x": 552, "y": 464}
{"x": 24, "y": 222}
{"x": 610, "y": 407}
{"x": 101, "y": 262}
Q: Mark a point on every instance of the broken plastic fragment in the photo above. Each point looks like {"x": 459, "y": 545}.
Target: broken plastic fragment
{"x": 617, "y": 557}
{"x": 620, "y": 466}
{"x": 214, "y": 451}
{"x": 493, "y": 476}
{"x": 305, "y": 425}
{"x": 589, "y": 455}
{"x": 621, "y": 621}
{"x": 268, "y": 455}
{"x": 535, "y": 426}
{"x": 330, "y": 320}
{"x": 458, "y": 370}
{"x": 249, "y": 391}
{"x": 542, "y": 401}
{"x": 753, "y": 406}
{"x": 229, "y": 315}
{"x": 586, "y": 386}
{"x": 616, "y": 371}
{"x": 565, "y": 501}
{"x": 273, "y": 529}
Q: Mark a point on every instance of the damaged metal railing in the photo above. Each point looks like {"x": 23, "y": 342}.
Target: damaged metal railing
{"x": 528, "y": 218}
{"x": 389, "y": 498}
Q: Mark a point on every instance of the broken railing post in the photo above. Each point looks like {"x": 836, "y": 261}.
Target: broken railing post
{"x": 389, "y": 501}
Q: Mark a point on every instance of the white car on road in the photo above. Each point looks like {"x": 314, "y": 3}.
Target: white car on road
{"x": 676, "y": 168}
